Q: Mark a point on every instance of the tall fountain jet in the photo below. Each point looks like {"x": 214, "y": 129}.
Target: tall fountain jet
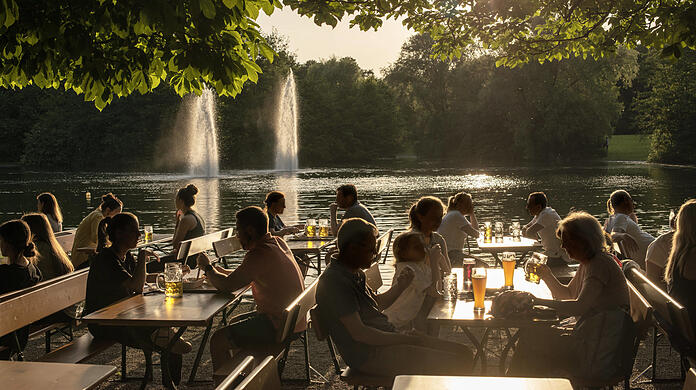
{"x": 202, "y": 135}
{"x": 286, "y": 126}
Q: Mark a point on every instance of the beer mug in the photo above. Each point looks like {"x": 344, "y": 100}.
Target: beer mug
{"x": 311, "y": 227}
{"x": 173, "y": 280}
{"x": 487, "y": 232}
{"x": 516, "y": 231}
{"x": 148, "y": 233}
{"x": 468, "y": 265}
{"x": 478, "y": 278}
{"x": 451, "y": 291}
{"x": 323, "y": 227}
{"x": 499, "y": 231}
{"x": 509, "y": 262}
{"x": 531, "y": 267}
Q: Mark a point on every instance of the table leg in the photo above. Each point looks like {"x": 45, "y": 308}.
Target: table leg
{"x": 199, "y": 354}
{"x": 503, "y": 356}
{"x": 479, "y": 346}
{"x": 482, "y": 351}
{"x": 167, "y": 380}
{"x": 319, "y": 263}
{"x": 521, "y": 260}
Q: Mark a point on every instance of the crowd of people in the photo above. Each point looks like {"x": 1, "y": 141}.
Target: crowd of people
{"x": 376, "y": 333}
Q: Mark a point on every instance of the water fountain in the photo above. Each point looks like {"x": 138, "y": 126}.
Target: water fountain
{"x": 286, "y": 126}
{"x": 202, "y": 135}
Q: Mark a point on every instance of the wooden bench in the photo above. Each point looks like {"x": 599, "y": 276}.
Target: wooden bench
{"x": 246, "y": 377}
{"x": 66, "y": 239}
{"x": 237, "y": 376}
{"x": 690, "y": 381}
{"x": 200, "y": 244}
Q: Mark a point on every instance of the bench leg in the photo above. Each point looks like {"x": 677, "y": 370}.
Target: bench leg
{"x": 123, "y": 363}
{"x": 199, "y": 354}
{"x": 48, "y": 341}
{"x": 20, "y": 353}
{"x": 334, "y": 359}
{"x": 305, "y": 341}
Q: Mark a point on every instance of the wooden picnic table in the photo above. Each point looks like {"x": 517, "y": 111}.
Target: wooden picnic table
{"x": 523, "y": 246}
{"x": 155, "y": 310}
{"x": 59, "y": 376}
{"x": 413, "y": 382}
{"x": 310, "y": 247}
{"x": 158, "y": 241}
{"x": 461, "y": 312}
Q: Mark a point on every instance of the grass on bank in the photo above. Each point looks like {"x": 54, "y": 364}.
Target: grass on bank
{"x": 633, "y": 147}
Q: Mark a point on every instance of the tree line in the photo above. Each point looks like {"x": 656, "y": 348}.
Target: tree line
{"x": 466, "y": 110}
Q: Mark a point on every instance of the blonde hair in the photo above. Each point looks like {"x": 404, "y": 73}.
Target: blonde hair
{"x": 617, "y": 198}
{"x": 684, "y": 240}
{"x": 421, "y": 208}
{"x": 460, "y": 198}
{"x": 402, "y": 241}
{"x": 585, "y": 228}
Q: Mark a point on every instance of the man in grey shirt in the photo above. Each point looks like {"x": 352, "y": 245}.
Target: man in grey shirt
{"x": 347, "y": 199}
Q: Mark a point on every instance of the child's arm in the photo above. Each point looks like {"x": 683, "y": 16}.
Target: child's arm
{"x": 434, "y": 255}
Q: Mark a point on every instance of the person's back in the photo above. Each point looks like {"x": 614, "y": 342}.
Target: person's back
{"x": 656, "y": 257}
{"x": 453, "y": 229}
{"x": 85, "y": 236}
{"x": 358, "y": 210}
{"x": 620, "y": 222}
{"x": 549, "y": 218}
{"x": 198, "y": 230}
{"x": 50, "y": 265}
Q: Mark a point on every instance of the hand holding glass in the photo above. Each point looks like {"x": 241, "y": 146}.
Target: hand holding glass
{"x": 531, "y": 268}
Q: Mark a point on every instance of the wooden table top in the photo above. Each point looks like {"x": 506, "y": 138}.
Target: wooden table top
{"x": 408, "y": 382}
{"x": 157, "y": 238}
{"x": 508, "y": 245}
{"x": 462, "y": 312}
{"x": 58, "y": 376}
{"x": 302, "y": 237}
{"x": 309, "y": 245}
{"x": 156, "y": 310}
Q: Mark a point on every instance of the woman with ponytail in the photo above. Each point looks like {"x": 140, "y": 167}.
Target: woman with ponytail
{"x": 455, "y": 226}
{"x": 189, "y": 224}
{"x": 19, "y": 273}
{"x": 51, "y": 259}
{"x": 86, "y": 233}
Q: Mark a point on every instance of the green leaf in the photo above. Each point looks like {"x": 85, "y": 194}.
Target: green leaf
{"x": 208, "y": 8}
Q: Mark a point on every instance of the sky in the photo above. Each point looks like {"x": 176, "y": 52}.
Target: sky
{"x": 372, "y": 50}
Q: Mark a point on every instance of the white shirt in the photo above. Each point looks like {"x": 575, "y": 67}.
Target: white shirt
{"x": 406, "y": 306}
{"x": 452, "y": 229}
{"x": 658, "y": 250}
{"x": 548, "y": 219}
{"x": 622, "y": 223}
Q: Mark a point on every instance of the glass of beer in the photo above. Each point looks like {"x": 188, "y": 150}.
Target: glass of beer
{"x": 478, "y": 278}
{"x": 509, "y": 262}
{"x": 148, "y": 233}
{"x": 311, "y": 227}
{"x": 487, "y": 232}
{"x": 468, "y": 265}
{"x": 173, "y": 278}
{"x": 323, "y": 227}
{"x": 499, "y": 231}
{"x": 531, "y": 267}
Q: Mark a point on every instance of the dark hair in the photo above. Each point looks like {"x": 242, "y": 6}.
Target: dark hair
{"x": 422, "y": 207}
{"x": 110, "y": 225}
{"x": 459, "y": 198}
{"x": 110, "y": 201}
{"x": 401, "y": 243}
{"x": 188, "y": 195}
{"x": 354, "y": 231}
{"x": 538, "y": 198}
{"x": 49, "y": 206}
{"x": 348, "y": 189}
{"x": 18, "y": 235}
{"x": 273, "y": 197}
{"x": 616, "y": 199}
{"x": 41, "y": 231}
{"x": 253, "y": 216}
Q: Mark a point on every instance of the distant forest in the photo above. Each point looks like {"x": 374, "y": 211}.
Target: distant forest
{"x": 467, "y": 110}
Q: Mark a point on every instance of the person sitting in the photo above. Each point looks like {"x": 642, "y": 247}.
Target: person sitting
{"x": 543, "y": 226}
{"x": 352, "y": 314}
{"x": 51, "y": 259}
{"x": 189, "y": 224}
{"x": 455, "y": 227}
{"x": 275, "y": 205}
{"x": 19, "y": 273}
{"x": 597, "y": 295}
{"x": 658, "y": 252}
{"x": 47, "y": 204}
{"x": 410, "y": 258}
{"x": 86, "y": 233}
{"x": 425, "y": 217}
{"x": 114, "y": 274}
{"x": 680, "y": 272}
{"x": 275, "y": 280}
{"x": 622, "y": 225}
{"x": 347, "y": 199}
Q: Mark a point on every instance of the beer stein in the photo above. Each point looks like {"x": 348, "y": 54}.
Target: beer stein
{"x": 499, "y": 231}
{"x": 311, "y": 227}
{"x": 323, "y": 227}
{"x": 516, "y": 231}
{"x": 487, "y": 232}
{"x": 173, "y": 280}
{"x": 531, "y": 267}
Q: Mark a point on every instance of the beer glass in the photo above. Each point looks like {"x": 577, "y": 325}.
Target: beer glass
{"x": 509, "y": 262}
{"x": 323, "y": 227}
{"x": 451, "y": 291}
{"x": 487, "y": 232}
{"x": 468, "y": 265}
{"x": 148, "y": 233}
{"x": 499, "y": 231}
{"x": 478, "y": 278}
{"x": 516, "y": 231}
{"x": 531, "y": 267}
{"x": 311, "y": 227}
{"x": 173, "y": 279}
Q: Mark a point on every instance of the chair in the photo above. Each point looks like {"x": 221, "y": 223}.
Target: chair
{"x": 264, "y": 377}
{"x": 237, "y": 376}
{"x": 690, "y": 381}
{"x": 373, "y": 278}
{"x": 226, "y": 247}
{"x": 642, "y": 315}
{"x": 383, "y": 244}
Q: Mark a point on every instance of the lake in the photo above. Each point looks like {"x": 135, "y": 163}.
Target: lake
{"x": 499, "y": 193}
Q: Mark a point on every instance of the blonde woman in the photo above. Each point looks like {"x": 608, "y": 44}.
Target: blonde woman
{"x": 622, "y": 225}
{"x": 455, "y": 227}
{"x": 680, "y": 272}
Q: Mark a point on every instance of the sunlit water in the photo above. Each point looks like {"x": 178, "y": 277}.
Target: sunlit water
{"x": 499, "y": 193}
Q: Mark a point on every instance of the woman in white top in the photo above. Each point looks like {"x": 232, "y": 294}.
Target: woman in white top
{"x": 47, "y": 204}
{"x": 455, "y": 227}
{"x": 622, "y": 225}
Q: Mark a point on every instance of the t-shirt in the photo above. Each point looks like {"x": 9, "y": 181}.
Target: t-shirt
{"x": 548, "y": 219}
{"x": 357, "y": 210}
{"x": 86, "y": 236}
{"x": 622, "y": 223}
{"x": 55, "y": 225}
{"x": 341, "y": 292}
{"x": 49, "y": 265}
{"x": 105, "y": 282}
{"x": 454, "y": 229}
{"x": 606, "y": 271}
{"x": 406, "y": 306}
{"x": 274, "y": 223}
{"x": 276, "y": 278}
{"x": 658, "y": 250}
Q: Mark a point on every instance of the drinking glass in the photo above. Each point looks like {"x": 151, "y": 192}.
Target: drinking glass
{"x": 499, "y": 231}
{"x": 323, "y": 227}
{"x": 487, "y": 232}
{"x": 451, "y": 290}
{"x": 531, "y": 267}
{"x": 516, "y": 231}
{"x": 478, "y": 278}
{"x": 173, "y": 280}
{"x": 148, "y": 233}
{"x": 468, "y": 265}
{"x": 509, "y": 262}
{"x": 311, "y": 227}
